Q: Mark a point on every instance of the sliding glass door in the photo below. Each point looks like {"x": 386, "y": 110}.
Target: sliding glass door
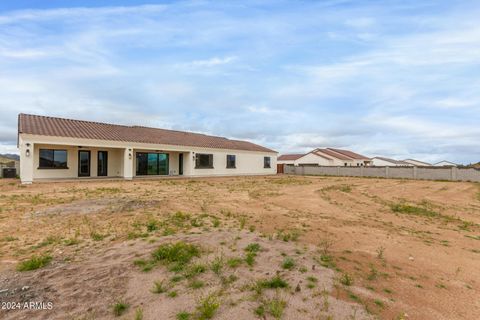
{"x": 151, "y": 163}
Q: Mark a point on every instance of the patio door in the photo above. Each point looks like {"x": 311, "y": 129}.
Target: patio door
{"x": 180, "y": 164}
{"x": 102, "y": 166}
{"x": 151, "y": 164}
{"x": 83, "y": 163}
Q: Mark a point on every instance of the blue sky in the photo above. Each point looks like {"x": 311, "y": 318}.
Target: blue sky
{"x": 393, "y": 78}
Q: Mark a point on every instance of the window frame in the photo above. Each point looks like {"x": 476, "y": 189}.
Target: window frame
{"x": 65, "y": 167}
{"x": 210, "y": 162}
{"x": 234, "y": 161}
{"x": 267, "y": 162}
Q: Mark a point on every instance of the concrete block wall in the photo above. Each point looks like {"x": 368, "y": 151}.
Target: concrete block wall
{"x": 424, "y": 173}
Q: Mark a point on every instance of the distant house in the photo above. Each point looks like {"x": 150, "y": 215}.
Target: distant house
{"x": 325, "y": 157}
{"x": 387, "y": 162}
{"x": 57, "y": 148}
{"x": 418, "y": 163}
{"x": 445, "y": 163}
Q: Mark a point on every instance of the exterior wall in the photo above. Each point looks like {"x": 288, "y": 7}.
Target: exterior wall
{"x": 425, "y": 173}
{"x": 311, "y": 158}
{"x": 286, "y": 162}
{"x": 247, "y": 163}
{"x": 114, "y": 167}
{"x": 121, "y": 160}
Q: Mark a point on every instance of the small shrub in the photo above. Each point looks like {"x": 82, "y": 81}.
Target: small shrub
{"x": 276, "y": 307}
{"x": 172, "y": 294}
{"x": 250, "y": 258}
{"x": 234, "y": 262}
{"x": 412, "y": 210}
{"x": 216, "y": 222}
{"x": 274, "y": 283}
{"x": 158, "y": 287}
{"x": 183, "y": 315}
{"x": 139, "y": 314}
{"x": 194, "y": 270}
{"x": 253, "y": 247}
{"x": 97, "y": 236}
{"x": 34, "y": 263}
{"x": 379, "y": 303}
{"x": 260, "y": 311}
{"x": 196, "y": 284}
{"x": 119, "y": 308}
{"x": 152, "y": 226}
{"x": 179, "y": 253}
{"x": 217, "y": 265}
{"x": 346, "y": 279}
{"x": 288, "y": 263}
{"x": 207, "y": 307}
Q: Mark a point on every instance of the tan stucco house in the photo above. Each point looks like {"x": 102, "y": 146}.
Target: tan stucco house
{"x": 325, "y": 157}
{"x": 57, "y": 148}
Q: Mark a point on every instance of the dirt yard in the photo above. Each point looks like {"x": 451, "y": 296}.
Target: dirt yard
{"x": 277, "y": 247}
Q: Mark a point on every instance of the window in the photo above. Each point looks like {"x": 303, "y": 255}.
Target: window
{"x": 53, "y": 159}
{"x": 152, "y": 163}
{"x": 231, "y": 161}
{"x": 266, "y": 162}
{"x": 204, "y": 161}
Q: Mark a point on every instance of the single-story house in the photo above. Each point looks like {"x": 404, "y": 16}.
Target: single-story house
{"x": 325, "y": 157}
{"x": 417, "y": 163}
{"x": 387, "y": 162}
{"x": 445, "y": 163}
{"x": 58, "y": 148}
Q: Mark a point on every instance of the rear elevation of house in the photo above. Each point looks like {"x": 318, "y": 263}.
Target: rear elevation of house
{"x": 57, "y": 148}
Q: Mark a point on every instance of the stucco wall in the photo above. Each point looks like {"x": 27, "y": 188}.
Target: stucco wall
{"x": 121, "y": 160}
{"x": 114, "y": 167}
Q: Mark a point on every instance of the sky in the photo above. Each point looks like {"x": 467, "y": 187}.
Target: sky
{"x": 398, "y": 79}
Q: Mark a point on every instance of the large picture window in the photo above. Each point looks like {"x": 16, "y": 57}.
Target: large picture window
{"x": 231, "y": 163}
{"x": 53, "y": 159}
{"x": 266, "y": 162}
{"x": 204, "y": 161}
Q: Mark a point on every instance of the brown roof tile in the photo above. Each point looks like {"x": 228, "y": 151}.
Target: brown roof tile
{"x": 287, "y": 157}
{"x": 349, "y": 154}
{"x": 60, "y": 127}
{"x": 334, "y": 154}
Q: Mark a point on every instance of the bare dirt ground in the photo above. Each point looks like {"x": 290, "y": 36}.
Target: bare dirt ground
{"x": 345, "y": 248}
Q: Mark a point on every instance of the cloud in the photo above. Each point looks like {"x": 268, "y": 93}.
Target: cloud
{"x": 399, "y": 80}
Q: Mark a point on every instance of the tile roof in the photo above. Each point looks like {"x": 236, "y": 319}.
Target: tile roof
{"x": 333, "y": 154}
{"x": 350, "y": 154}
{"x": 60, "y": 127}
{"x": 287, "y": 157}
{"x": 392, "y": 160}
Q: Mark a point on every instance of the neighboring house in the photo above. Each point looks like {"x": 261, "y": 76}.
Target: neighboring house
{"x": 387, "y": 162}
{"x": 325, "y": 157}
{"x": 56, "y": 148}
{"x": 417, "y": 163}
{"x": 289, "y": 158}
{"x": 445, "y": 163}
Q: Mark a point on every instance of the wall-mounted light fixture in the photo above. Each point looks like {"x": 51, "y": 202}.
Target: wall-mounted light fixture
{"x": 27, "y": 152}
{"x": 129, "y": 153}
